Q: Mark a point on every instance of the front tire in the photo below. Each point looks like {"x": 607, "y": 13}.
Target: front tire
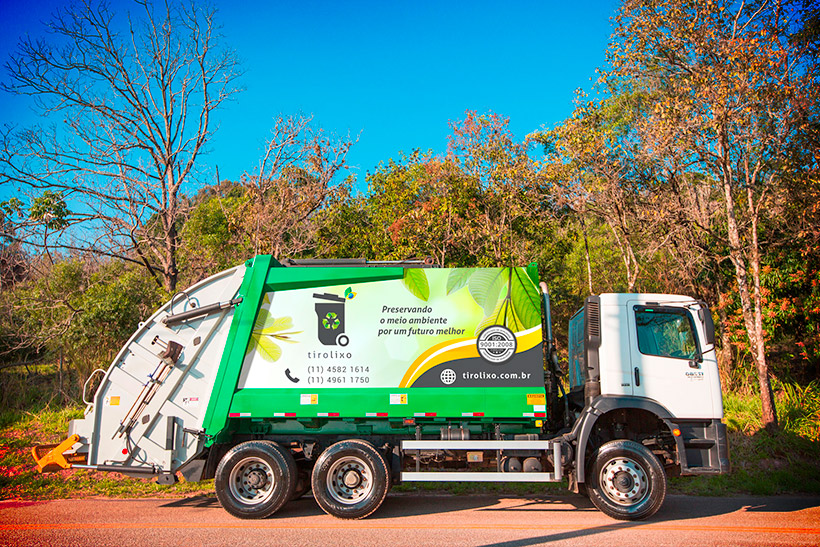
{"x": 626, "y": 481}
{"x": 350, "y": 479}
{"x": 255, "y": 479}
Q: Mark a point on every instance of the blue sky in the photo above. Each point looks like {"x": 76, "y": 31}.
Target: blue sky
{"x": 393, "y": 73}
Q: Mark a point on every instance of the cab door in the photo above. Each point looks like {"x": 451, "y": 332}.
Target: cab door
{"x": 667, "y": 361}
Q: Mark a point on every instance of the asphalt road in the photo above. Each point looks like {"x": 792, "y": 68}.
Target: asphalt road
{"x": 415, "y": 520}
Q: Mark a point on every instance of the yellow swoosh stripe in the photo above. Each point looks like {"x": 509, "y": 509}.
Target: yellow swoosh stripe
{"x": 464, "y": 348}
{"x": 426, "y": 354}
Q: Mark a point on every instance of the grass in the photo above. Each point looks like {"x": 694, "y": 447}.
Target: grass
{"x": 20, "y": 430}
{"x": 763, "y": 463}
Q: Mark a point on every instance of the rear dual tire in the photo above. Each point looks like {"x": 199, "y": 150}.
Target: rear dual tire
{"x": 255, "y": 479}
{"x": 350, "y": 479}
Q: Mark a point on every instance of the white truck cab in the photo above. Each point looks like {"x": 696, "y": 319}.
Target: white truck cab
{"x": 643, "y": 367}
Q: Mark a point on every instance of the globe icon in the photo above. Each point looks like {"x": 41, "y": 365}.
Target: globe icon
{"x": 448, "y": 376}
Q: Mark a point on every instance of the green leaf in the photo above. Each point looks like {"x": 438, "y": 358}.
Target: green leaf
{"x": 492, "y": 318}
{"x": 526, "y": 300}
{"x": 512, "y": 321}
{"x": 501, "y": 315}
{"x": 267, "y": 348}
{"x": 485, "y": 286}
{"x": 50, "y": 208}
{"x": 458, "y": 278}
{"x": 415, "y": 279}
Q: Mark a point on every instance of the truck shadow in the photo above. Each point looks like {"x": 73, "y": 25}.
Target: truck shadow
{"x": 399, "y": 505}
{"x": 303, "y": 507}
{"x": 408, "y": 505}
{"x": 571, "y": 534}
{"x": 675, "y": 508}
{"x": 201, "y": 501}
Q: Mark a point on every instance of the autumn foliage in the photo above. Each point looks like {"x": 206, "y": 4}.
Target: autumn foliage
{"x": 691, "y": 167}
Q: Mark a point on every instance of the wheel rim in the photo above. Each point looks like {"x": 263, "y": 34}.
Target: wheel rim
{"x": 624, "y": 481}
{"x": 349, "y": 480}
{"x": 252, "y": 481}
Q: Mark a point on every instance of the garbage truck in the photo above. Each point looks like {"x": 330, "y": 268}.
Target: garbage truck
{"x": 346, "y": 377}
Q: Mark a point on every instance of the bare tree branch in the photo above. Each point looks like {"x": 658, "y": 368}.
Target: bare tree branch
{"x": 134, "y": 95}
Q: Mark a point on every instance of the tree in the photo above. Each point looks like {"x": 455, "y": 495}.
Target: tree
{"x": 295, "y": 180}
{"x": 507, "y": 226}
{"x": 416, "y": 207}
{"x": 214, "y": 236}
{"x": 476, "y": 206}
{"x": 730, "y": 85}
{"x": 12, "y": 259}
{"x": 82, "y": 310}
{"x": 597, "y": 170}
{"x": 135, "y": 96}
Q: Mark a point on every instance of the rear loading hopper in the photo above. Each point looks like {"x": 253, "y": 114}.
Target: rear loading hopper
{"x": 147, "y": 413}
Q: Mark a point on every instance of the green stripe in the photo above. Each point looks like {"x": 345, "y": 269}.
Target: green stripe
{"x": 494, "y": 402}
{"x": 285, "y": 279}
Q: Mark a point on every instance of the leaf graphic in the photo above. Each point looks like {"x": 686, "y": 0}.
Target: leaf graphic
{"x": 276, "y": 325}
{"x": 266, "y": 329}
{"x": 262, "y": 319}
{"x": 485, "y": 286}
{"x": 491, "y": 318}
{"x": 503, "y": 314}
{"x": 458, "y": 278}
{"x": 416, "y": 282}
{"x": 268, "y": 349}
{"x": 267, "y": 299}
{"x": 512, "y": 321}
{"x": 526, "y": 300}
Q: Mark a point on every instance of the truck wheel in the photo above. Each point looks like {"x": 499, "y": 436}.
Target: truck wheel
{"x": 626, "y": 480}
{"x": 254, "y": 479}
{"x": 350, "y": 479}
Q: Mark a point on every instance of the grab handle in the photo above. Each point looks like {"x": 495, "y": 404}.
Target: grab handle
{"x": 85, "y": 386}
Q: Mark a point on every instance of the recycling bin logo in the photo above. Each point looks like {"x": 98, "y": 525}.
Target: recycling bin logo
{"x": 331, "y": 321}
{"x": 330, "y": 314}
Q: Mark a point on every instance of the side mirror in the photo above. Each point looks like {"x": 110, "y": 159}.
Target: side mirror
{"x": 705, "y": 317}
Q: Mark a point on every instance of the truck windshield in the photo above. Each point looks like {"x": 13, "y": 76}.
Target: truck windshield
{"x": 665, "y": 332}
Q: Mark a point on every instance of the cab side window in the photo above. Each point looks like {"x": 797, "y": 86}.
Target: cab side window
{"x": 665, "y": 332}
